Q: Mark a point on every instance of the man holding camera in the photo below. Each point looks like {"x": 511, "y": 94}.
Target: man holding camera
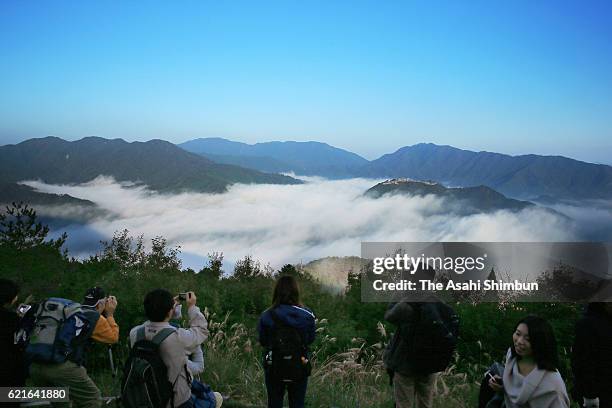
{"x": 99, "y": 311}
{"x": 107, "y": 330}
{"x": 159, "y": 305}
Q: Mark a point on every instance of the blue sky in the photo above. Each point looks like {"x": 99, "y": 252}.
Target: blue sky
{"x": 513, "y": 77}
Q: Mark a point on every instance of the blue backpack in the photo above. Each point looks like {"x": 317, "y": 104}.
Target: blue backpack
{"x": 59, "y": 331}
{"x": 202, "y": 395}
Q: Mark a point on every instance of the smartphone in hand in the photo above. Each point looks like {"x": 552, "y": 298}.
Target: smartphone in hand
{"x": 497, "y": 381}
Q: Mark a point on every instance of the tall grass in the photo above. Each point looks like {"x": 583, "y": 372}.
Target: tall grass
{"x": 352, "y": 378}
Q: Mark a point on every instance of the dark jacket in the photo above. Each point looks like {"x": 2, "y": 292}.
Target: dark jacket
{"x": 299, "y": 317}
{"x": 12, "y": 366}
{"x": 395, "y": 359}
{"x": 592, "y": 356}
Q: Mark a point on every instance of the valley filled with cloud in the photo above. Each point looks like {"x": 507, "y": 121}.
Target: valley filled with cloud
{"x": 280, "y": 224}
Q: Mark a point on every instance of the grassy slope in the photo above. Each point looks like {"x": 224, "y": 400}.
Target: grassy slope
{"x": 348, "y": 370}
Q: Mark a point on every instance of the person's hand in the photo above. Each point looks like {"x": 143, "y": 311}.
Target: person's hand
{"x": 191, "y": 299}
{"x": 111, "y": 305}
{"x": 495, "y": 383}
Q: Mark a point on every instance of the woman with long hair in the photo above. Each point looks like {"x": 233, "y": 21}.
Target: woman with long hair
{"x": 530, "y": 378}
{"x": 285, "y": 331}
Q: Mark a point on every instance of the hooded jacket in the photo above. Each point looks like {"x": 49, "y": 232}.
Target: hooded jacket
{"x": 539, "y": 389}
{"x": 298, "y": 317}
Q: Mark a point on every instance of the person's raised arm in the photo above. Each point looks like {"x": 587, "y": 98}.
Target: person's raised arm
{"x": 198, "y": 326}
{"x": 107, "y": 330}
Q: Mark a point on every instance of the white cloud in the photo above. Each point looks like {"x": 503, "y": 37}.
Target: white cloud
{"x": 288, "y": 224}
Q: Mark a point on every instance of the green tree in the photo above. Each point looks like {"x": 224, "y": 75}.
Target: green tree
{"x": 163, "y": 257}
{"x": 289, "y": 269}
{"x": 247, "y": 267}
{"x": 124, "y": 250}
{"x": 214, "y": 268}
{"x": 20, "y": 229}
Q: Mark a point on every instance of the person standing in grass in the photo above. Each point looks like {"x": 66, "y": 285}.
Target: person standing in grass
{"x": 592, "y": 357}
{"x": 285, "y": 331}
{"x": 530, "y": 378}
{"x": 422, "y": 345}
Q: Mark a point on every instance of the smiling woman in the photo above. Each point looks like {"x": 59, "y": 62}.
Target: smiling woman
{"x": 530, "y": 377}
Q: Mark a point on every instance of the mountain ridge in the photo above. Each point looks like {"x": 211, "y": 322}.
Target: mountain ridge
{"x": 160, "y": 164}
{"x": 524, "y": 176}
{"x": 309, "y": 158}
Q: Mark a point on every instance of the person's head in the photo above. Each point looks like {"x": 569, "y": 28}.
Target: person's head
{"x": 159, "y": 305}
{"x": 534, "y": 338}
{"x": 95, "y": 297}
{"x": 286, "y": 291}
{"x": 8, "y": 292}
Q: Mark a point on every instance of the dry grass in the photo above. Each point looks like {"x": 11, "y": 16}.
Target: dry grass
{"x": 352, "y": 378}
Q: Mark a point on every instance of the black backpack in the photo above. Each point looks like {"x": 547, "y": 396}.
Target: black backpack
{"x": 145, "y": 376}
{"x": 284, "y": 358}
{"x": 433, "y": 336}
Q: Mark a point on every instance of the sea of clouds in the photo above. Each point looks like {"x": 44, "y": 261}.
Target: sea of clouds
{"x": 281, "y": 224}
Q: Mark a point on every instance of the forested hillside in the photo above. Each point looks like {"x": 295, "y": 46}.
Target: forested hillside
{"x": 159, "y": 164}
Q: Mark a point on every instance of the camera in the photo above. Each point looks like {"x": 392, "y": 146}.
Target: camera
{"x": 182, "y": 296}
{"x": 22, "y": 309}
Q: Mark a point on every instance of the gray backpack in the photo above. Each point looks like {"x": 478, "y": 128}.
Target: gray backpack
{"x": 59, "y": 331}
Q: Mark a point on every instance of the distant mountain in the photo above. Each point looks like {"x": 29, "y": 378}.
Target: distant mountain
{"x": 527, "y": 177}
{"x": 303, "y": 158}
{"x": 467, "y": 200}
{"x": 210, "y": 165}
{"x": 259, "y": 163}
{"x": 159, "y": 164}
{"x": 55, "y": 210}
{"x": 13, "y": 192}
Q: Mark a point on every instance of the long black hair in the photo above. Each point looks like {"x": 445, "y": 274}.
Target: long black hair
{"x": 286, "y": 292}
{"x": 543, "y": 342}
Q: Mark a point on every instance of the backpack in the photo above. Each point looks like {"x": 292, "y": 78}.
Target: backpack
{"x": 145, "y": 376}
{"x": 284, "y": 358}
{"x": 25, "y": 328}
{"x": 432, "y": 337}
{"x": 56, "y": 331}
{"x": 202, "y": 396}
